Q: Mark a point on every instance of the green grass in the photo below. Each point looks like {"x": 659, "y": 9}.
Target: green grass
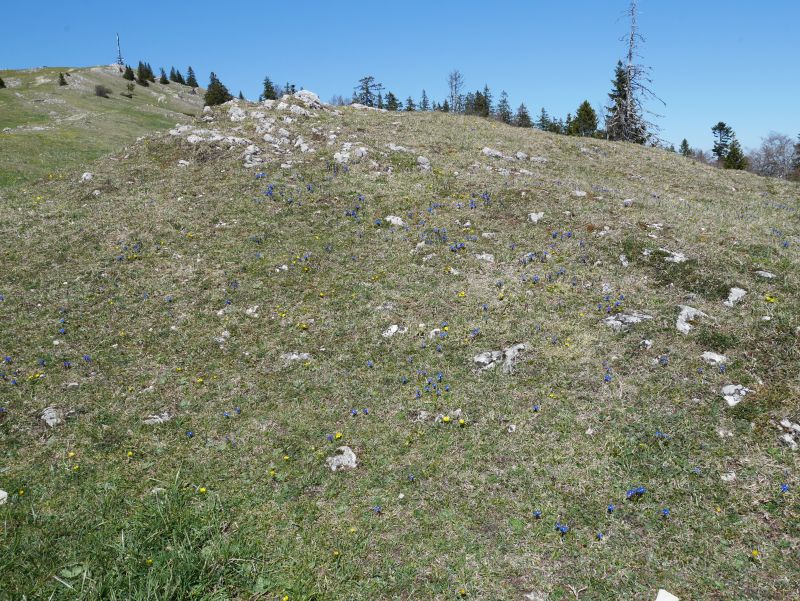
{"x": 140, "y": 273}
{"x": 79, "y": 126}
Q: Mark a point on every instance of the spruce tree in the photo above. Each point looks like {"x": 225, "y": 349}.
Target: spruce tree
{"x": 379, "y": 101}
{"x": 141, "y": 75}
{"x": 445, "y": 106}
{"x": 522, "y": 118}
{"x": 128, "y": 74}
{"x": 367, "y": 91}
{"x": 735, "y": 158}
{"x": 585, "y": 121}
{"x": 179, "y": 78}
{"x": 424, "y": 103}
{"x": 392, "y": 103}
{"x": 504, "y": 109}
{"x": 150, "y": 76}
{"x": 269, "y": 92}
{"x": 2, "y": 83}
{"x": 544, "y": 121}
{"x": 684, "y": 148}
{"x": 61, "y": 80}
{"x": 410, "y": 106}
{"x": 241, "y": 96}
{"x": 216, "y": 93}
{"x": 191, "y": 80}
{"x": 172, "y": 76}
{"x": 163, "y": 79}
{"x": 624, "y": 120}
{"x": 724, "y": 133}
{"x": 487, "y": 97}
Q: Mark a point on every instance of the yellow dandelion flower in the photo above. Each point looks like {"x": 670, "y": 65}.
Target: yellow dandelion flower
{"x": 461, "y": 422}
{"x": 130, "y": 454}
{"x": 149, "y": 561}
{"x": 202, "y": 490}
{"x": 446, "y": 419}
{"x": 338, "y": 435}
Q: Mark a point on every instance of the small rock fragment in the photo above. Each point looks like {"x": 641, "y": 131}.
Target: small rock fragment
{"x": 295, "y": 356}
{"x": 346, "y": 459}
{"x": 734, "y": 394}
{"x": 687, "y": 315}
{"x": 622, "y": 321}
{"x": 713, "y": 358}
{"x": 765, "y": 274}
{"x": 154, "y": 420}
{"x": 535, "y": 217}
{"x": 52, "y": 417}
{"x": 734, "y": 296}
{"x": 394, "y": 220}
{"x": 665, "y": 596}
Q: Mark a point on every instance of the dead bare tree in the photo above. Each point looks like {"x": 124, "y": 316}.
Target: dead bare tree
{"x": 625, "y": 118}
{"x": 455, "y": 83}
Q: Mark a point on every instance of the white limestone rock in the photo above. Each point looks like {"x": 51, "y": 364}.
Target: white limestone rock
{"x": 623, "y": 321}
{"x": 734, "y": 394}
{"x": 395, "y": 220}
{"x": 687, "y": 315}
{"x": 345, "y": 459}
{"x": 713, "y": 358}
{"x": 156, "y": 419}
{"x": 734, "y": 296}
{"x": 535, "y": 217}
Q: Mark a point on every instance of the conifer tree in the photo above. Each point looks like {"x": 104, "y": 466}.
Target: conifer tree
{"x": 410, "y": 106}
{"x": 367, "y": 91}
{"x": 2, "y": 83}
{"x": 504, "y": 109}
{"x": 487, "y": 97}
{"x": 392, "y": 103}
{"x": 141, "y": 75}
{"x": 424, "y": 103}
{"x": 216, "y": 93}
{"x": 543, "y": 122}
{"x": 269, "y": 93}
{"x": 735, "y": 158}
{"x": 724, "y": 133}
{"x": 684, "y": 148}
{"x": 623, "y": 120}
{"x": 191, "y": 80}
{"x": 380, "y": 101}
{"x": 585, "y": 121}
{"x": 522, "y": 118}
{"x": 128, "y": 73}
{"x": 179, "y": 78}
{"x": 445, "y": 106}
{"x": 172, "y": 76}
{"x": 241, "y": 96}
{"x": 163, "y": 79}
{"x": 150, "y": 76}
{"x": 61, "y": 80}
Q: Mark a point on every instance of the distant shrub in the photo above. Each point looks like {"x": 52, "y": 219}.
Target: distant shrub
{"x": 2, "y": 83}
{"x": 101, "y": 91}
{"x": 61, "y": 80}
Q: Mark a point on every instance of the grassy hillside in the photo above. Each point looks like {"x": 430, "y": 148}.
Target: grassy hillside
{"x": 250, "y": 309}
{"x": 45, "y": 128}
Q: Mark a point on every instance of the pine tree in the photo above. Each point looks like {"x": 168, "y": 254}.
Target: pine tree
{"x": 269, "y": 93}
{"x": 410, "y": 106}
{"x": 504, "y": 109}
{"x": 735, "y": 158}
{"x": 684, "y": 148}
{"x": 128, "y": 74}
{"x": 61, "y": 80}
{"x": 241, "y": 96}
{"x": 163, "y": 79}
{"x": 367, "y": 90}
{"x": 468, "y": 106}
{"x": 191, "y": 80}
{"x": 544, "y": 121}
{"x": 445, "y": 106}
{"x": 487, "y": 97}
{"x": 172, "y": 76}
{"x": 150, "y": 76}
{"x": 141, "y": 75}
{"x": 584, "y": 123}
{"x": 2, "y": 83}
{"x": 216, "y": 93}
{"x": 179, "y": 78}
{"x": 481, "y": 104}
{"x": 623, "y": 121}
{"x": 424, "y": 103}
{"x": 522, "y": 118}
{"x": 379, "y": 102}
{"x": 724, "y": 133}
{"x": 392, "y": 103}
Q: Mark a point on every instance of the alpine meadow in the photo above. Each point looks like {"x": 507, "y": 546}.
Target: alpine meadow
{"x": 260, "y": 346}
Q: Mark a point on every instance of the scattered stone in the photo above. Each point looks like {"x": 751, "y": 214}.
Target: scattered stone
{"x": 728, "y": 477}
{"x": 395, "y": 148}
{"x": 765, "y": 274}
{"x": 734, "y": 296}
{"x": 308, "y": 98}
{"x": 734, "y": 394}
{"x": 579, "y": 193}
{"x": 665, "y": 596}
{"x": 487, "y": 359}
{"x": 521, "y": 156}
{"x": 3, "y": 497}
{"x": 713, "y": 358}
{"x": 342, "y": 157}
{"x": 360, "y": 152}
{"x": 511, "y": 428}
{"x": 491, "y": 152}
{"x": 236, "y": 113}
{"x": 154, "y": 420}
{"x": 395, "y": 221}
{"x": 346, "y": 459}
{"x": 392, "y": 330}
{"x": 789, "y": 441}
{"x": 87, "y": 177}
{"x": 535, "y": 217}
{"x": 789, "y": 425}
{"x": 687, "y": 315}
{"x": 622, "y": 321}
{"x": 509, "y": 356}
{"x": 295, "y": 356}
{"x": 424, "y": 163}
{"x": 646, "y": 344}
{"x": 183, "y": 163}
{"x": 52, "y": 417}
{"x": 485, "y": 257}
{"x": 252, "y": 311}
{"x": 673, "y": 257}
{"x": 628, "y": 202}
{"x": 623, "y": 260}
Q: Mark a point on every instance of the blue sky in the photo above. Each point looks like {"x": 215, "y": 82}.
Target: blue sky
{"x": 711, "y": 60}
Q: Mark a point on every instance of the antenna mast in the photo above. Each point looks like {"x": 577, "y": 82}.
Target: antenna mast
{"x": 120, "y": 62}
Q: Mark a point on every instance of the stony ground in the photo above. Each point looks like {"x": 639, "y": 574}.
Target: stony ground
{"x": 45, "y": 127}
{"x": 524, "y": 354}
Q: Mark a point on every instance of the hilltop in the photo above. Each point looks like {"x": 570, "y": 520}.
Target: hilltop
{"x": 46, "y": 127}
{"x": 553, "y": 367}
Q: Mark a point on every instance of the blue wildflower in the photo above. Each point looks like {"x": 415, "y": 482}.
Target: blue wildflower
{"x": 537, "y": 514}
{"x": 784, "y": 488}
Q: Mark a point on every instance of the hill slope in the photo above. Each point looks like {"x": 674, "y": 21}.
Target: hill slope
{"x": 189, "y": 339}
{"x": 45, "y": 127}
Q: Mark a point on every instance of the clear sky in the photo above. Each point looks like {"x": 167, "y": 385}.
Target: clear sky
{"x": 712, "y": 60}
